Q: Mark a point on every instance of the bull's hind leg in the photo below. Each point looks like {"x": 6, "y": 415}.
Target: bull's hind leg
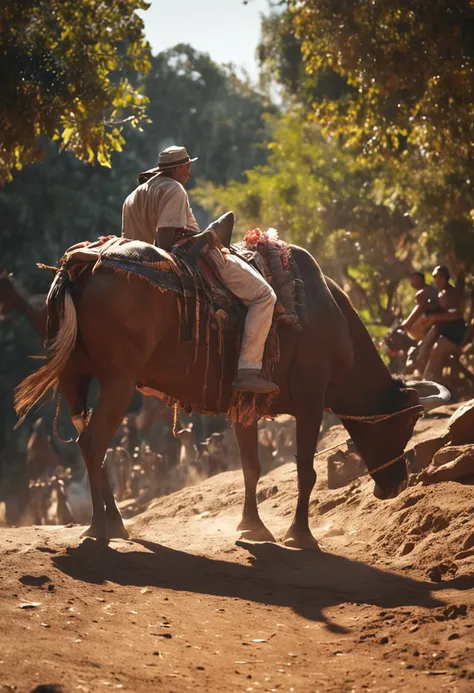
{"x": 75, "y": 389}
{"x": 115, "y": 526}
{"x": 115, "y": 395}
{"x": 309, "y": 413}
{"x": 251, "y": 525}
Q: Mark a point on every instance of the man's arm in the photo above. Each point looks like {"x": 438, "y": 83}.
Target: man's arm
{"x": 166, "y": 237}
{"x": 418, "y": 310}
{"x": 451, "y": 303}
{"x": 416, "y": 313}
{"x": 172, "y": 216}
{"x": 447, "y": 316}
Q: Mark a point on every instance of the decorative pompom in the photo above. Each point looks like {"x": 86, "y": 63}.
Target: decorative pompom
{"x": 272, "y": 234}
{"x": 252, "y": 237}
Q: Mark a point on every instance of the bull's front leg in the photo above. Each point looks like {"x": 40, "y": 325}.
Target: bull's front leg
{"x": 308, "y": 421}
{"x": 251, "y": 525}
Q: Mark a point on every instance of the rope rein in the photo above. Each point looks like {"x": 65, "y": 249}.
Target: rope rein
{"x": 371, "y": 471}
{"x": 376, "y": 418}
{"x": 371, "y": 419}
{"x": 334, "y": 447}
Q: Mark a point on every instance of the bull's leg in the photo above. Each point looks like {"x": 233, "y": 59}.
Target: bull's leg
{"x": 75, "y": 389}
{"x": 308, "y": 420}
{"x": 115, "y": 395}
{"x": 115, "y": 526}
{"x": 251, "y": 525}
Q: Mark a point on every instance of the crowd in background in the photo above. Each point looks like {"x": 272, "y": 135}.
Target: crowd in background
{"x": 145, "y": 461}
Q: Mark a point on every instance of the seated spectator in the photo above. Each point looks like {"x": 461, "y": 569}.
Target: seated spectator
{"x": 417, "y": 324}
{"x": 448, "y": 323}
{"x": 426, "y": 303}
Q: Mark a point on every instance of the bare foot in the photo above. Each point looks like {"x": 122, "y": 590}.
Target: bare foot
{"x": 300, "y": 539}
{"x": 254, "y": 530}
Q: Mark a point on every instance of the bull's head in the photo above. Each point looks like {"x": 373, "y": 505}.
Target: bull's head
{"x": 382, "y": 443}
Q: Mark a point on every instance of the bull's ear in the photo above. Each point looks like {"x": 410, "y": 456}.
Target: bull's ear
{"x": 431, "y": 394}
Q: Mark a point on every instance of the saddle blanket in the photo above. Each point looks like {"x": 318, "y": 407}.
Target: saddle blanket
{"x": 172, "y": 272}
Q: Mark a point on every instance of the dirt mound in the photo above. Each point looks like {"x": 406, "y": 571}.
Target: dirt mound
{"x": 461, "y": 424}
{"x": 388, "y": 605}
{"x": 426, "y": 527}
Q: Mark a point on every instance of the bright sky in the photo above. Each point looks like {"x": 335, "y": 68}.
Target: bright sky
{"x": 226, "y": 29}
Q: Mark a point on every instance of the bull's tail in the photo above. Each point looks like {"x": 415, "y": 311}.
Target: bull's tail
{"x": 61, "y": 344}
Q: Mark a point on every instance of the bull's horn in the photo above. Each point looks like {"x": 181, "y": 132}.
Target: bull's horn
{"x": 431, "y": 394}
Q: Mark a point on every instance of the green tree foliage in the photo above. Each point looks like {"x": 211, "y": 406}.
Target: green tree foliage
{"x": 411, "y": 65}
{"x": 218, "y": 116}
{"x": 371, "y": 168}
{"x": 320, "y": 197}
{"x": 192, "y": 100}
{"x": 282, "y": 67}
{"x": 51, "y": 205}
{"x": 65, "y": 67}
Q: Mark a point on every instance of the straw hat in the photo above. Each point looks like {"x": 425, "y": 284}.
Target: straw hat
{"x": 168, "y": 158}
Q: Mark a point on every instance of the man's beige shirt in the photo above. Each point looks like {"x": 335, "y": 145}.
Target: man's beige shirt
{"x": 159, "y": 203}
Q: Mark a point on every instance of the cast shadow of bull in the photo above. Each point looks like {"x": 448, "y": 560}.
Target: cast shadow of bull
{"x": 308, "y": 583}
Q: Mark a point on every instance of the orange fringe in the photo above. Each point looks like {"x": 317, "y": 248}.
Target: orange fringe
{"x": 162, "y": 265}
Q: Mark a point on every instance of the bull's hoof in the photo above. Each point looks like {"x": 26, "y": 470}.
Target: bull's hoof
{"x": 257, "y": 535}
{"x": 113, "y": 529}
{"x": 116, "y": 530}
{"x": 254, "y": 530}
{"x": 95, "y": 532}
{"x": 300, "y": 539}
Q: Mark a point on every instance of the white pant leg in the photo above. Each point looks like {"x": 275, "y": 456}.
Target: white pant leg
{"x": 248, "y": 285}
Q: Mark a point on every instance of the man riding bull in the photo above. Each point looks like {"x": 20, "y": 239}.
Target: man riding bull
{"x": 158, "y": 212}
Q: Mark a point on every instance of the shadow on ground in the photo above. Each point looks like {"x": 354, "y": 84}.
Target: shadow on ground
{"x": 306, "y": 582}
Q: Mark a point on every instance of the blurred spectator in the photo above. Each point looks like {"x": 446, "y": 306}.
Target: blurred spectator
{"x": 448, "y": 324}
{"x": 417, "y": 325}
{"x": 426, "y": 303}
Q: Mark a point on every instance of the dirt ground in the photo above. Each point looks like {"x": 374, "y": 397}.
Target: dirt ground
{"x": 388, "y": 604}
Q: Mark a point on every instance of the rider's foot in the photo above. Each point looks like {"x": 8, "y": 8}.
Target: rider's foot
{"x": 249, "y": 380}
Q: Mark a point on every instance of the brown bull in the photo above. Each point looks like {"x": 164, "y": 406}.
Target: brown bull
{"x": 122, "y": 331}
